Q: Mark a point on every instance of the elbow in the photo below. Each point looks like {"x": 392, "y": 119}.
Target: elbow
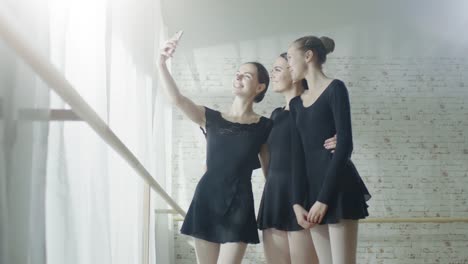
{"x": 349, "y": 149}
{"x": 345, "y": 147}
{"x": 349, "y": 153}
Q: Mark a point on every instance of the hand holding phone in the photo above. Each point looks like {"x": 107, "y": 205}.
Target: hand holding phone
{"x": 170, "y": 46}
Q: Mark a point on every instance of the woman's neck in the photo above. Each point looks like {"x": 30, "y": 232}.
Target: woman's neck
{"x": 315, "y": 78}
{"x": 241, "y": 107}
{"x": 295, "y": 90}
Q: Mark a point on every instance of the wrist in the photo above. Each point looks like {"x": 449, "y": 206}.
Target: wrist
{"x": 162, "y": 63}
{"x": 322, "y": 204}
{"x": 297, "y": 207}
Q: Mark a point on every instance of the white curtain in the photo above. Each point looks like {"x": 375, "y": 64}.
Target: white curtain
{"x": 23, "y": 144}
{"x": 89, "y": 206}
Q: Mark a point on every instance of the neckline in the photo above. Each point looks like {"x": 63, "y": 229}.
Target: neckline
{"x": 324, "y": 90}
{"x": 237, "y": 123}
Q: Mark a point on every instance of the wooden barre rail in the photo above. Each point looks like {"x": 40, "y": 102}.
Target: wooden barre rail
{"x": 415, "y": 220}
{"x": 386, "y": 220}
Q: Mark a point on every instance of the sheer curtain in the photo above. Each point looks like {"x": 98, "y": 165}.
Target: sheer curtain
{"x": 23, "y": 144}
{"x": 88, "y": 204}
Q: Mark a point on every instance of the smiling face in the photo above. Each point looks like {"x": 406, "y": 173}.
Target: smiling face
{"x": 297, "y": 61}
{"x": 280, "y": 76}
{"x": 245, "y": 83}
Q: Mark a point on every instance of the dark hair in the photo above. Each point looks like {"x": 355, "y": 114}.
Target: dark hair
{"x": 263, "y": 77}
{"x": 284, "y": 55}
{"x": 319, "y": 46}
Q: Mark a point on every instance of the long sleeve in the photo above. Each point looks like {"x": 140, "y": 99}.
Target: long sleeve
{"x": 299, "y": 181}
{"x": 267, "y": 129}
{"x": 339, "y": 103}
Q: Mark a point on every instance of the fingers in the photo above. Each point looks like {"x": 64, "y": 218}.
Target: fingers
{"x": 169, "y": 48}
{"x": 301, "y": 217}
{"x": 310, "y": 225}
{"x": 171, "y": 44}
{"x": 309, "y": 216}
{"x": 168, "y": 52}
{"x": 314, "y": 217}
{"x": 330, "y": 146}
{"x": 305, "y": 224}
{"x": 330, "y": 143}
{"x": 320, "y": 219}
{"x": 309, "y": 219}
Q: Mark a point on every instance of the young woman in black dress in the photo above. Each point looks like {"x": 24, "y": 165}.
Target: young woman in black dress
{"x": 284, "y": 241}
{"x": 329, "y": 194}
{"x": 221, "y": 217}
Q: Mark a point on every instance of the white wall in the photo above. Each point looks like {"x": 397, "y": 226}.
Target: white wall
{"x": 406, "y": 67}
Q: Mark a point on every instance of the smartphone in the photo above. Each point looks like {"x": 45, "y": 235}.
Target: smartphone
{"x": 179, "y": 34}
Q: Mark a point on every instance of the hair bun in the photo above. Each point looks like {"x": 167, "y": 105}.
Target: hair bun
{"x": 328, "y": 43}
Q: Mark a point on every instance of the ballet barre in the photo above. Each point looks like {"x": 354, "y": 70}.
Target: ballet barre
{"x": 49, "y": 115}
{"x": 57, "y": 82}
{"x": 383, "y": 220}
{"x": 440, "y": 220}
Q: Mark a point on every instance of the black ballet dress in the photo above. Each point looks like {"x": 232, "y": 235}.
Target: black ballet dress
{"x": 318, "y": 174}
{"x": 222, "y": 208}
{"x": 276, "y": 204}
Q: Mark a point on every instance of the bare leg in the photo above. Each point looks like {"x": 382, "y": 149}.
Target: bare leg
{"x": 207, "y": 252}
{"x": 232, "y": 253}
{"x": 343, "y": 241}
{"x": 302, "y": 248}
{"x": 321, "y": 239}
{"x": 276, "y": 246}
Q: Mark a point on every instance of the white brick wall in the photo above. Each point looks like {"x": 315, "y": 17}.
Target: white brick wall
{"x": 410, "y": 124}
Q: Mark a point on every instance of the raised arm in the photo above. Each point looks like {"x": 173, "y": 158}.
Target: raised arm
{"x": 194, "y": 112}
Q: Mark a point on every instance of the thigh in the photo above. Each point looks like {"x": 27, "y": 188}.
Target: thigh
{"x": 207, "y": 252}
{"x": 343, "y": 241}
{"x": 301, "y": 247}
{"x": 232, "y": 253}
{"x": 321, "y": 239}
{"x": 276, "y": 246}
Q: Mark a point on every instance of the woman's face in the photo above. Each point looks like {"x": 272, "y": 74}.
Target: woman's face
{"x": 245, "y": 83}
{"x": 280, "y": 76}
{"x": 297, "y": 63}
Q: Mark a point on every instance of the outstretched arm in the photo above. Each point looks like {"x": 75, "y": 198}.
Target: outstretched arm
{"x": 194, "y": 112}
